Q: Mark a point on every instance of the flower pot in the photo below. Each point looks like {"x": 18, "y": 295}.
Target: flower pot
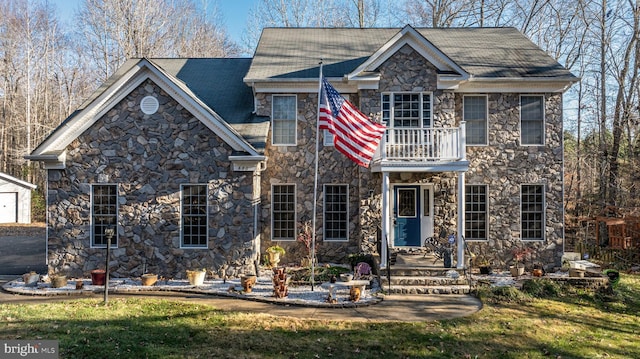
{"x": 98, "y": 276}
{"x": 537, "y": 272}
{"x": 346, "y": 277}
{"x": 196, "y": 277}
{"x": 274, "y": 258}
{"x": 149, "y": 279}
{"x": 516, "y": 271}
{"x": 247, "y": 282}
{"x": 485, "y": 270}
{"x": 31, "y": 279}
{"x": 58, "y": 281}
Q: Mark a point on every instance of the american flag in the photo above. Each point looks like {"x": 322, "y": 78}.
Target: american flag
{"x": 355, "y": 135}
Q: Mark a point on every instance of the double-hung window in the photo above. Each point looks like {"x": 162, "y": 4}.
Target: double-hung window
{"x": 476, "y": 212}
{"x": 194, "y": 216}
{"x": 284, "y": 115}
{"x": 532, "y": 120}
{"x": 407, "y": 109}
{"x": 336, "y": 212}
{"x": 104, "y": 214}
{"x": 283, "y": 212}
{"x": 475, "y": 116}
{"x": 532, "y": 212}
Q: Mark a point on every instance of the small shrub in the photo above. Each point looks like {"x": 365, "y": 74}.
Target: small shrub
{"x": 542, "y": 288}
{"x": 322, "y": 274}
{"x": 502, "y": 294}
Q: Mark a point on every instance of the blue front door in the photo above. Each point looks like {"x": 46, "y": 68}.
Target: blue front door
{"x": 406, "y": 216}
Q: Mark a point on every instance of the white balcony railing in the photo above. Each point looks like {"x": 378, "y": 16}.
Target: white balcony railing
{"x": 423, "y": 144}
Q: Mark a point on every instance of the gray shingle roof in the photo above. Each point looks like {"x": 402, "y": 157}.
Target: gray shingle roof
{"x": 288, "y": 53}
{"x": 217, "y": 82}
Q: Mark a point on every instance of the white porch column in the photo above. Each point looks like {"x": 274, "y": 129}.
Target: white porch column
{"x": 385, "y": 220}
{"x": 460, "y": 230}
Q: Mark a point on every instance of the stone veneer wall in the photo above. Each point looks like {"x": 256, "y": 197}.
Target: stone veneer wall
{"x": 149, "y": 157}
{"x": 407, "y": 71}
{"x": 504, "y": 165}
{"x": 296, "y": 165}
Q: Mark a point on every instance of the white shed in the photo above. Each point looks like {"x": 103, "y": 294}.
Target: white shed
{"x": 15, "y": 199}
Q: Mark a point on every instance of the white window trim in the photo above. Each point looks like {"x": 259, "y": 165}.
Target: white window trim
{"x": 295, "y": 212}
{"x": 488, "y": 204}
{"x": 324, "y": 226}
{"x": 92, "y": 239}
{"x": 327, "y": 138}
{"x": 295, "y": 126}
{"x": 544, "y": 212}
{"x": 486, "y": 124}
{"x": 206, "y": 245}
{"x": 391, "y": 109}
{"x": 544, "y": 119}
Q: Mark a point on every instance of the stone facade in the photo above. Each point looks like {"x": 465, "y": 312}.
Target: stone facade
{"x": 296, "y": 165}
{"x": 148, "y": 157}
{"x": 503, "y": 165}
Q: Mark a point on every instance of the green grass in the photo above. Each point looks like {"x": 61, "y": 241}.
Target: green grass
{"x": 571, "y": 324}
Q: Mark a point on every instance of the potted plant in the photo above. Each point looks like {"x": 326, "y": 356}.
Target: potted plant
{"x": 31, "y": 279}
{"x": 247, "y": 281}
{"x": 519, "y": 255}
{"x": 484, "y": 266}
{"x": 538, "y": 270}
{"x": 275, "y": 252}
{"x": 58, "y": 281}
{"x": 196, "y": 277}
{"x": 98, "y": 276}
{"x": 149, "y": 279}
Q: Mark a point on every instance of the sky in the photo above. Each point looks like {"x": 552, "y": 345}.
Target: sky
{"x": 234, "y": 13}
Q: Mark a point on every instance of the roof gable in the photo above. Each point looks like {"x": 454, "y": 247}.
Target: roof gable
{"x": 7, "y": 178}
{"x": 409, "y": 36}
{"x": 190, "y": 93}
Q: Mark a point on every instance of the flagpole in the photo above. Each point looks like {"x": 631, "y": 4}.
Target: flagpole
{"x": 315, "y": 184}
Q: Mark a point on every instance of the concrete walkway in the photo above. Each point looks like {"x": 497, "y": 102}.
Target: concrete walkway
{"x": 394, "y": 308}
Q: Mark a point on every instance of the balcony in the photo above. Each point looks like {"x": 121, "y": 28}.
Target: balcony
{"x": 422, "y": 150}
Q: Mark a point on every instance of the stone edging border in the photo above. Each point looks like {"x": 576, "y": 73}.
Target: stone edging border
{"x": 10, "y": 287}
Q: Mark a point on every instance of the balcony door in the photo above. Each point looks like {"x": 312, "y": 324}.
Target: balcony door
{"x": 412, "y": 214}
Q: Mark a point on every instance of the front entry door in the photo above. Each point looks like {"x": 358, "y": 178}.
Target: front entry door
{"x": 406, "y": 216}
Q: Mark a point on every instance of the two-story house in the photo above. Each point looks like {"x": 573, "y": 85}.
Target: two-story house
{"x": 206, "y": 162}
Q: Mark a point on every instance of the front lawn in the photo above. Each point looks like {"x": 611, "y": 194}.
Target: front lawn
{"x": 573, "y": 325}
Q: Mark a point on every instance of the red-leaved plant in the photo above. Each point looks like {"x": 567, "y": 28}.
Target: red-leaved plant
{"x": 305, "y": 236}
{"x": 519, "y": 254}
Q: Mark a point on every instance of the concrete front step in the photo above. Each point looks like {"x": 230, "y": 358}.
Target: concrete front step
{"x": 424, "y": 281}
{"x": 399, "y": 271}
{"x": 435, "y": 289}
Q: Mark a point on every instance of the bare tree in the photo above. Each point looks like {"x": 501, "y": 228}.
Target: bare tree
{"x": 116, "y": 30}
{"x": 309, "y": 13}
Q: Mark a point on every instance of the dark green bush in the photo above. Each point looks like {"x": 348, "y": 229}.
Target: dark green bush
{"x": 542, "y": 288}
{"x": 502, "y": 294}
